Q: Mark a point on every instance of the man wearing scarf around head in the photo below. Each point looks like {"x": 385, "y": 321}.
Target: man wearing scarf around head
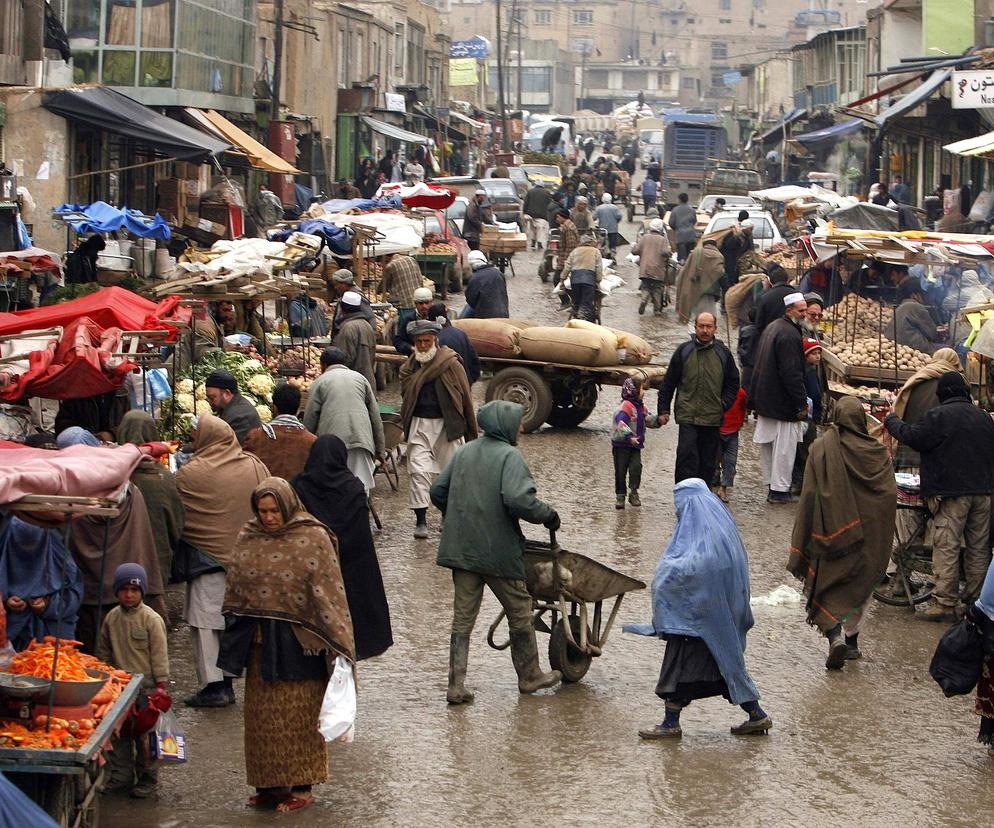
{"x": 437, "y": 413}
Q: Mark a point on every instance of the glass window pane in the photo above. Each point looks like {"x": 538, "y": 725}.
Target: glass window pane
{"x": 155, "y": 69}
{"x": 83, "y": 23}
{"x": 84, "y": 66}
{"x": 157, "y": 24}
{"x": 119, "y": 68}
{"x": 122, "y": 23}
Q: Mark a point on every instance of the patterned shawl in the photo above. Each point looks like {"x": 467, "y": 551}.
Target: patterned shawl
{"x": 292, "y": 574}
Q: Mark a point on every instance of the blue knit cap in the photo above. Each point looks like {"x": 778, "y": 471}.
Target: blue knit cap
{"x": 130, "y": 574}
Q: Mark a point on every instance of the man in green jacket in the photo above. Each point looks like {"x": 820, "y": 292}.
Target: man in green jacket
{"x": 482, "y": 493}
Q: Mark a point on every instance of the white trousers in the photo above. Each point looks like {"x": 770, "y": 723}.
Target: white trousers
{"x": 777, "y": 440}
{"x": 204, "y": 598}
{"x": 537, "y": 230}
{"x": 361, "y": 464}
{"x": 428, "y": 452}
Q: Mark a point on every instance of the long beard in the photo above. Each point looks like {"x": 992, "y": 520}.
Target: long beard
{"x": 426, "y": 356}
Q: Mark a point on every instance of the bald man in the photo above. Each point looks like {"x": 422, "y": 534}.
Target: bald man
{"x": 705, "y": 380}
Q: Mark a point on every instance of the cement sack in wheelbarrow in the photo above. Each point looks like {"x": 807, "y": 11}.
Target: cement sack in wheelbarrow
{"x": 637, "y": 350}
{"x": 491, "y": 337}
{"x": 569, "y": 346}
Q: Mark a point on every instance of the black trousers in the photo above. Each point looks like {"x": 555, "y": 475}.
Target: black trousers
{"x": 683, "y": 250}
{"x": 697, "y": 452}
{"x": 583, "y": 301}
{"x": 627, "y": 468}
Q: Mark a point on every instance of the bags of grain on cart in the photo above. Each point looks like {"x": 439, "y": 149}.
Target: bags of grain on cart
{"x": 637, "y": 350}
{"x": 491, "y": 337}
{"x": 520, "y": 324}
{"x": 569, "y": 346}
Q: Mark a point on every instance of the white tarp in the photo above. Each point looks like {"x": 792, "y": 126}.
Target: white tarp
{"x": 792, "y": 192}
{"x": 400, "y": 234}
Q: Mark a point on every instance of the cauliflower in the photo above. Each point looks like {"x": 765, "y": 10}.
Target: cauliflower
{"x": 184, "y": 386}
{"x": 184, "y": 401}
{"x": 261, "y": 385}
{"x": 264, "y": 413}
{"x": 252, "y": 366}
{"x": 201, "y": 392}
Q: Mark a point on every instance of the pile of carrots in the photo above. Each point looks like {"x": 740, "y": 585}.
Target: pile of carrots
{"x": 72, "y": 665}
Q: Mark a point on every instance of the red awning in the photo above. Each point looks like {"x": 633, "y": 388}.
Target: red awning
{"x": 111, "y": 307}
{"x": 419, "y": 195}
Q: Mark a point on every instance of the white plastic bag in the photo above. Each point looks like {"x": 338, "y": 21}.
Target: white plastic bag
{"x": 782, "y": 596}
{"x": 337, "y": 719}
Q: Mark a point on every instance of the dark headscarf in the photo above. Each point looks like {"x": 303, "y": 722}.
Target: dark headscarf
{"x": 337, "y": 498}
{"x": 137, "y": 427}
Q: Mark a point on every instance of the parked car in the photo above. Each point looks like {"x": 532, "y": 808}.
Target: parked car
{"x": 732, "y": 202}
{"x": 548, "y": 175}
{"x": 518, "y": 176}
{"x": 765, "y": 232}
{"x": 504, "y": 200}
{"x": 436, "y": 222}
{"x": 456, "y": 211}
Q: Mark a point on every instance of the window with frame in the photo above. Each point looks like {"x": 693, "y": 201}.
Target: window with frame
{"x": 343, "y": 63}
{"x": 718, "y": 77}
{"x": 584, "y": 17}
{"x": 724, "y": 5}
{"x": 398, "y": 48}
{"x": 543, "y": 18}
{"x": 689, "y": 83}
{"x": 719, "y": 50}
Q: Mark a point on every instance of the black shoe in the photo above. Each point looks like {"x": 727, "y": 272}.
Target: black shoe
{"x": 208, "y": 697}
{"x": 229, "y": 693}
{"x": 780, "y": 497}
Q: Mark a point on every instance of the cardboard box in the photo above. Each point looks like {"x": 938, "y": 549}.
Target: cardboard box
{"x": 209, "y": 226}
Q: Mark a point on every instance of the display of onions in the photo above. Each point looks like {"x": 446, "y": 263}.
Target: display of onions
{"x": 872, "y": 353}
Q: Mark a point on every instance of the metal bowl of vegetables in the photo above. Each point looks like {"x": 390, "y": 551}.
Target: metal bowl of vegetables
{"x": 76, "y": 693}
{"x": 15, "y": 686}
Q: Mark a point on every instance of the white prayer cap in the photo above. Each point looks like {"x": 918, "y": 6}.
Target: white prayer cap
{"x": 792, "y": 298}
{"x": 350, "y": 297}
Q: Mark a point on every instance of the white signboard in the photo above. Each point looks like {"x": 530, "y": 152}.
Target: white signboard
{"x": 973, "y": 89}
{"x": 394, "y": 103}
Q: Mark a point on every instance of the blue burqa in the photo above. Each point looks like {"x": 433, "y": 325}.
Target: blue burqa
{"x": 31, "y": 567}
{"x": 701, "y": 587}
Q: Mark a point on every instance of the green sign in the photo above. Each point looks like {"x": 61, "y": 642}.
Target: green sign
{"x": 947, "y": 27}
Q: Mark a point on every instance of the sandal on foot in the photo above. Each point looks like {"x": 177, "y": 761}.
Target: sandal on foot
{"x": 660, "y": 732}
{"x": 753, "y": 727}
{"x": 293, "y": 802}
{"x": 266, "y": 800}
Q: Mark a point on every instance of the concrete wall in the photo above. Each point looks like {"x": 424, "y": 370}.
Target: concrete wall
{"x": 33, "y": 136}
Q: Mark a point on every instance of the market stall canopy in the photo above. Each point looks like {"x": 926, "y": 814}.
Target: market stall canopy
{"x": 775, "y": 133}
{"x": 980, "y": 147}
{"x": 259, "y": 156}
{"x": 913, "y": 98}
{"x": 110, "y": 307}
{"x": 794, "y": 192}
{"x": 829, "y": 133}
{"x": 865, "y": 216}
{"x": 77, "y": 471}
{"x": 418, "y": 195}
{"x": 101, "y": 217}
{"x": 111, "y": 111}
{"x": 396, "y": 233}
{"x": 395, "y": 132}
{"x": 466, "y": 120}
{"x": 344, "y": 205}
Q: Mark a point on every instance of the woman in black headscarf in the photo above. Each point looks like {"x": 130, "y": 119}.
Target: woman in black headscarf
{"x": 337, "y": 498}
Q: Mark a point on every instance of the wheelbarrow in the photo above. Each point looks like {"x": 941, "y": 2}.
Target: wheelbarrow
{"x": 393, "y": 436}
{"x": 555, "y": 578}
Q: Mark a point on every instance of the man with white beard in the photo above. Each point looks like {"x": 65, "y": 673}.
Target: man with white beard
{"x": 437, "y": 413}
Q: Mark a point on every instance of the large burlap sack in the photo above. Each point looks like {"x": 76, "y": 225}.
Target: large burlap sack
{"x": 521, "y": 324}
{"x": 491, "y": 337}
{"x": 569, "y": 346}
{"x": 637, "y": 350}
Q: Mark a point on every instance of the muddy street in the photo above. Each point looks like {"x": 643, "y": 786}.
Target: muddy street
{"x": 874, "y": 744}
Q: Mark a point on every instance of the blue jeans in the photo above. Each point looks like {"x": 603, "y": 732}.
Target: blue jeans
{"x": 728, "y": 457}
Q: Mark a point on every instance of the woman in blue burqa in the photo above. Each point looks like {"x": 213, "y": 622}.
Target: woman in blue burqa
{"x": 700, "y": 606}
{"x": 37, "y": 599}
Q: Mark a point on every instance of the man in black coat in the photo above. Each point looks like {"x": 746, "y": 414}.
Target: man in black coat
{"x": 769, "y": 306}
{"x": 222, "y": 394}
{"x": 455, "y": 339}
{"x": 778, "y": 395}
{"x": 956, "y": 442}
{"x": 486, "y": 292}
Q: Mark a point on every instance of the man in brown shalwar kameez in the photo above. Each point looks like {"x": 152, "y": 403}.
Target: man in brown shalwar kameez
{"x": 284, "y": 443}
{"x": 843, "y": 528}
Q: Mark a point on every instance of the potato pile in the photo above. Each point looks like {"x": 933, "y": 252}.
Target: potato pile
{"x": 864, "y": 392}
{"x": 439, "y": 248}
{"x": 305, "y": 358}
{"x": 868, "y": 317}
{"x": 870, "y": 353}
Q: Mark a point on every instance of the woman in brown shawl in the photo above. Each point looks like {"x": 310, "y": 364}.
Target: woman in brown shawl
{"x": 158, "y": 487}
{"x": 287, "y": 620}
{"x": 215, "y": 487}
{"x": 843, "y": 528}
{"x": 917, "y": 396}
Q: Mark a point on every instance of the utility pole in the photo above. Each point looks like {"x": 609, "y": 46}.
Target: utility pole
{"x": 583, "y": 78}
{"x": 501, "y": 105}
{"x": 274, "y": 103}
{"x": 516, "y": 13}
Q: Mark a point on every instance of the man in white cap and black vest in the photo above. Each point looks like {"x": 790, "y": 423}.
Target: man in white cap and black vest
{"x": 356, "y": 337}
{"x": 778, "y": 395}
{"x": 341, "y": 282}
{"x": 403, "y": 342}
{"x": 436, "y": 411}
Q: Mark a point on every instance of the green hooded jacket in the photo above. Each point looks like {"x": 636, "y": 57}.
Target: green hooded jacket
{"x": 483, "y": 493}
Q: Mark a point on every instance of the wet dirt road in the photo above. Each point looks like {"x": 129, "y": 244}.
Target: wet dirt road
{"x": 874, "y": 745}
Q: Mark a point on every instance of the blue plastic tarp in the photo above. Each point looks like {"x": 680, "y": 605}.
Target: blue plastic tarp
{"x": 101, "y": 217}
{"x": 343, "y": 205}
{"x": 18, "y": 811}
{"x": 829, "y": 133}
{"x": 338, "y": 239}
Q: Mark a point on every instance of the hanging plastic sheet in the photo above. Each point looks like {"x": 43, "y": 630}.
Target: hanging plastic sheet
{"x": 111, "y": 307}
{"x": 101, "y": 217}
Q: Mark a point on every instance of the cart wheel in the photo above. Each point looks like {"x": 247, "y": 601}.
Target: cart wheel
{"x": 631, "y": 212}
{"x": 891, "y": 590}
{"x": 563, "y": 656}
{"x": 389, "y": 468}
{"x": 525, "y": 387}
{"x": 569, "y": 410}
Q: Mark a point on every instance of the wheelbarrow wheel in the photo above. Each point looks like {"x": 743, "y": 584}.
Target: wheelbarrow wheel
{"x": 563, "y": 656}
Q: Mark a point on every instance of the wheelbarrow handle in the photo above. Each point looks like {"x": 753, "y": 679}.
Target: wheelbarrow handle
{"x": 554, "y": 547}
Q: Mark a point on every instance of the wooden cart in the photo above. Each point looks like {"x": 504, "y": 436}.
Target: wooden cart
{"x": 66, "y": 783}
{"x": 441, "y": 269}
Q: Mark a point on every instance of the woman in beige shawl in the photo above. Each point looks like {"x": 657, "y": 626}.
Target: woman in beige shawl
{"x": 917, "y": 396}
{"x": 288, "y": 620}
{"x": 843, "y": 528}
{"x": 216, "y": 488}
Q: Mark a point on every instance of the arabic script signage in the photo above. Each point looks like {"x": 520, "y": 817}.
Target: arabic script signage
{"x": 475, "y": 47}
{"x": 973, "y": 90}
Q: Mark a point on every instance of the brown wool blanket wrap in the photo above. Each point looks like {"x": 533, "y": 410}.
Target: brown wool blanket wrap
{"x": 844, "y": 525}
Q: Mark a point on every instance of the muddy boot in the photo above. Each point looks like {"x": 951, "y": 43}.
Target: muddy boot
{"x": 619, "y": 501}
{"x": 421, "y": 524}
{"x": 633, "y": 498}
{"x": 758, "y": 723}
{"x": 936, "y": 612}
{"x": 643, "y": 303}
{"x": 524, "y": 654}
{"x": 837, "y": 649}
{"x": 852, "y": 647}
{"x": 458, "y": 660}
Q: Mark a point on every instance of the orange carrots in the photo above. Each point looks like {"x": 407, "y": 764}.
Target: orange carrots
{"x": 36, "y": 660}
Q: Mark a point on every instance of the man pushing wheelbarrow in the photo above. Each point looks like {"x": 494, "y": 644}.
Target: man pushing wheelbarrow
{"x": 484, "y": 491}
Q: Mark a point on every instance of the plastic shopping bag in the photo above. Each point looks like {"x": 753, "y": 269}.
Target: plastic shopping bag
{"x": 167, "y": 743}
{"x": 337, "y": 720}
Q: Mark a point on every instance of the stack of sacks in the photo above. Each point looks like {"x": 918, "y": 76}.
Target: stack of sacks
{"x": 492, "y": 337}
{"x": 570, "y": 346}
{"x": 637, "y": 350}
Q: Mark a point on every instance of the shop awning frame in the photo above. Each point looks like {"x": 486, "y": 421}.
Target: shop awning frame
{"x": 110, "y": 111}
{"x": 829, "y": 133}
{"x": 259, "y": 156}
{"x": 913, "y": 98}
{"x": 980, "y": 147}
{"x": 467, "y": 120}
{"x": 395, "y": 132}
{"x": 776, "y": 131}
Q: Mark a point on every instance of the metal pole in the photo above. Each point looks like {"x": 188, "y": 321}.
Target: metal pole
{"x": 501, "y": 105}
{"x": 517, "y": 21}
{"x": 274, "y": 102}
